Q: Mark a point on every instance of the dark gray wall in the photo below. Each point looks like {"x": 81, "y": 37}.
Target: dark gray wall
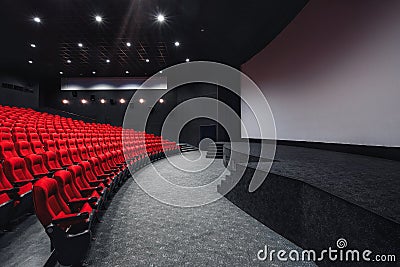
{"x": 51, "y": 96}
{"x": 27, "y": 97}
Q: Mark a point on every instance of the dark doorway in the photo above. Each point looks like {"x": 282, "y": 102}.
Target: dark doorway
{"x": 208, "y": 131}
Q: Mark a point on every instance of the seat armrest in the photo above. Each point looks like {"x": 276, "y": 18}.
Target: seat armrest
{"x": 78, "y": 200}
{"x": 94, "y": 183}
{"x": 23, "y": 182}
{"x": 88, "y": 189}
{"x": 71, "y": 217}
{"x": 10, "y": 191}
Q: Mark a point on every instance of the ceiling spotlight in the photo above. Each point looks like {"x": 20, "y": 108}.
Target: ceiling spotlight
{"x": 37, "y": 19}
{"x": 187, "y": 60}
{"x": 33, "y": 45}
{"x": 103, "y": 101}
{"x": 161, "y": 100}
{"x": 202, "y": 30}
{"x": 127, "y": 72}
{"x": 93, "y": 72}
{"x": 147, "y": 60}
{"x": 141, "y": 101}
{"x": 160, "y": 71}
{"x": 177, "y": 44}
{"x": 69, "y": 61}
{"x": 98, "y": 18}
{"x": 65, "y": 101}
{"x": 122, "y": 101}
{"x": 160, "y": 18}
{"x": 83, "y": 101}
{"x": 128, "y": 44}
{"x": 61, "y": 72}
{"x": 30, "y": 61}
{"x": 108, "y": 61}
{"x": 80, "y": 44}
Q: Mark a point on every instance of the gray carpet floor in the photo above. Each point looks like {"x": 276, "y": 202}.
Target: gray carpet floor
{"x": 138, "y": 230}
{"x": 372, "y": 183}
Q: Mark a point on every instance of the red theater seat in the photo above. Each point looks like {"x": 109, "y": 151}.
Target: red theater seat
{"x": 61, "y": 144}
{"x": 72, "y": 196}
{"x": 83, "y": 153}
{"x": 68, "y": 231}
{"x": 36, "y": 166}
{"x": 50, "y": 161}
{"x": 5, "y": 137}
{"x": 79, "y": 143}
{"x": 74, "y": 155}
{"x": 71, "y": 143}
{"x": 17, "y": 172}
{"x": 49, "y": 145}
{"x": 37, "y": 147}
{"x": 5, "y": 130}
{"x": 44, "y": 137}
{"x": 7, "y": 150}
{"x": 83, "y": 185}
{"x": 55, "y": 136}
{"x": 7, "y": 195}
{"x": 92, "y": 179}
{"x": 33, "y": 137}
{"x": 23, "y": 148}
{"x": 17, "y": 137}
{"x": 63, "y": 158}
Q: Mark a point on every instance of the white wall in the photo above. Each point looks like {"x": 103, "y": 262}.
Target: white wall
{"x": 333, "y": 75}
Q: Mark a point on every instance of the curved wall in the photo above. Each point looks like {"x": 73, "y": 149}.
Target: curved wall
{"x": 333, "y": 75}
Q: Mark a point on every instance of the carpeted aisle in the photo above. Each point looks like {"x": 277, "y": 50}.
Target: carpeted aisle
{"x": 138, "y": 230}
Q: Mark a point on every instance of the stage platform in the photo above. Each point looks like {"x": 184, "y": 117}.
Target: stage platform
{"x": 314, "y": 197}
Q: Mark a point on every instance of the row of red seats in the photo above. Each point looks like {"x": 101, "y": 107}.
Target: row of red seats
{"x": 69, "y": 168}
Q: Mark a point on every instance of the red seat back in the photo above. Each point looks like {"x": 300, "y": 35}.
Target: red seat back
{"x": 23, "y": 148}
{"x": 48, "y": 201}
{"x": 15, "y": 169}
{"x": 7, "y": 150}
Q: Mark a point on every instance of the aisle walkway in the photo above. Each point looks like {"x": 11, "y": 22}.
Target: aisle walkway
{"x": 141, "y": 231}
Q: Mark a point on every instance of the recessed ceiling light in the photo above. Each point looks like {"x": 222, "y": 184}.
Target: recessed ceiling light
{"x": 161, "y": 100}
{"x": 127, "y": 72}
{"x": 65, "y": 101}
{"x": 202, "y": 30}
{"x": 187, "y": 60}
{"x": 80, "y": 44}
{"x": 84, "y": 101}
{"x": 102, "y": 101}
{"x": 37, "y": 19}
{"x": 141, "y": 101}
{"x": 98, "y": 18}
{"x": 69, "y": 61}
{"x": 177, "y": 44}
{"x": 128, "y": 44}
{"x": 108, "y": 61}
{"x": 160, "y": 71}
{"x": 147, "y": 60}
{"x": 160, "y": 18}
{"x": 61, "y": 72}
{"x": 93, "y": 72}
{"x": 33, "y": 45}
{"x": 122, "y": 101}
{"x": 30, "y": 61}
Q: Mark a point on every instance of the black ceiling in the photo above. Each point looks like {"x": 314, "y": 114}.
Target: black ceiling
{"x": 226, "y": 31}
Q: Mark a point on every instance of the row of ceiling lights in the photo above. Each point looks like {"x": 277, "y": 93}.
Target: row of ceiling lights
{"x": 103, "y": 101}
{"x": 160, "y": 18}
